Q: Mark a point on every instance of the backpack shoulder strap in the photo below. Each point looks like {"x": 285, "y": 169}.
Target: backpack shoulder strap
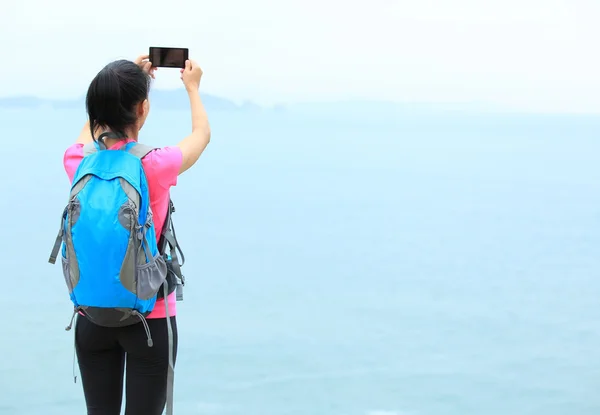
{"x": 140, "y": 150}
{"x": 168, "y": 238}
{"x": 88, "y": 149}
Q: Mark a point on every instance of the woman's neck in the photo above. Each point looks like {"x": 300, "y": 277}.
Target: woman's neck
{"x": 109, "y": 142}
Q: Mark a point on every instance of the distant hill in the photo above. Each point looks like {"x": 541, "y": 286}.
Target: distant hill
{"x": 35, "y": 102}
{"x": 356, "y": 106}
{"x": 176, "y": 99}
{"x": 165, "y": 99}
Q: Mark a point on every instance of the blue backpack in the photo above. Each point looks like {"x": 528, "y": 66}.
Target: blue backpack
{"x": 110, "y": 258}
{"x": 111, "y": 261}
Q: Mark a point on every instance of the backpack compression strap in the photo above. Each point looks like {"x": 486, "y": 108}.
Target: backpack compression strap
{"x": 169, "y": 238}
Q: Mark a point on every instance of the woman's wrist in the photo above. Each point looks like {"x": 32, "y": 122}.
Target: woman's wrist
{"x": 192, "y": 89}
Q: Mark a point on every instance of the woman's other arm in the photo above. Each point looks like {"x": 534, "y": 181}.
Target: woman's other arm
{"x": 194, "y": 144}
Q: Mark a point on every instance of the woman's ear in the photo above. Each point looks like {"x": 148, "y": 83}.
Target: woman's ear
{"x": 143, "y": 109}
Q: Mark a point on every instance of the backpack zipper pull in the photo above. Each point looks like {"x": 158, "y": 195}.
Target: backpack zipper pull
{"x": 71, "y": 322}
{"x": 145, "y": 324}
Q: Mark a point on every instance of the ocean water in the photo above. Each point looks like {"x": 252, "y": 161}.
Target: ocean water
{"x": 340, "y": 264}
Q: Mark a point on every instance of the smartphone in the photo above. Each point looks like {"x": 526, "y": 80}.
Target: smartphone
{"x": 168, "y": 57}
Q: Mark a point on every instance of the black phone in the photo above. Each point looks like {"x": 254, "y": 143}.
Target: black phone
{"x": 168, "y": 57}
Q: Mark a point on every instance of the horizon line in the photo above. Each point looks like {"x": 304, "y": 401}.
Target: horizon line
{"x": 464, "y": 106}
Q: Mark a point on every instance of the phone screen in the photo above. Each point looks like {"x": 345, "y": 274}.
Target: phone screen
{"x": 168, "y": 57}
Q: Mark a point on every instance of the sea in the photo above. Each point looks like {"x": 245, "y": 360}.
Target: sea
{"x": 339, "y": 262}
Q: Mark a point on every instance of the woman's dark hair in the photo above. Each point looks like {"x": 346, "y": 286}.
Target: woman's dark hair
{"x": 113, "y": 95}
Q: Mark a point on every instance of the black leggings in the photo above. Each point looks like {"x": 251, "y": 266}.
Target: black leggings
{"x": 102, "y": 353}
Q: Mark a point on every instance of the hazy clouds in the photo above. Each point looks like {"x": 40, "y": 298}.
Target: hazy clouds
{"x": 537, "y": 54}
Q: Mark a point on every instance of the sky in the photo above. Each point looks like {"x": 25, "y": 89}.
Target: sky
{"x": 538, "y": 55}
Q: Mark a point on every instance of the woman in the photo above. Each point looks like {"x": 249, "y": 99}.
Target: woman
{"x": 117, "y": 106}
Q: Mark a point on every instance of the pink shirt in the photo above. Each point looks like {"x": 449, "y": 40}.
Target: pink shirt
{"x": 162, "y": 169}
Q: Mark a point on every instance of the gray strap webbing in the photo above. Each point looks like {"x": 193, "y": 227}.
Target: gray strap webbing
{"x": 88, "y": 149}
{"x": 59, "y": 238}
{"x": 171, "y": 371}
{"x": 173, "y": 252}
{"x": 140, "y": 150}
{"x": 56, "y": 247}
{"x": 169, "y": 241}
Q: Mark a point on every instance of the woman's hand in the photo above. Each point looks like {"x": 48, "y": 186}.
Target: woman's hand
{"x": 191, "y": 75}
{"x": 143, "y": 62}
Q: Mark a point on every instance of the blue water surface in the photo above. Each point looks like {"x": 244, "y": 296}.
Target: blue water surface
{"x": 340, "y": 264}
